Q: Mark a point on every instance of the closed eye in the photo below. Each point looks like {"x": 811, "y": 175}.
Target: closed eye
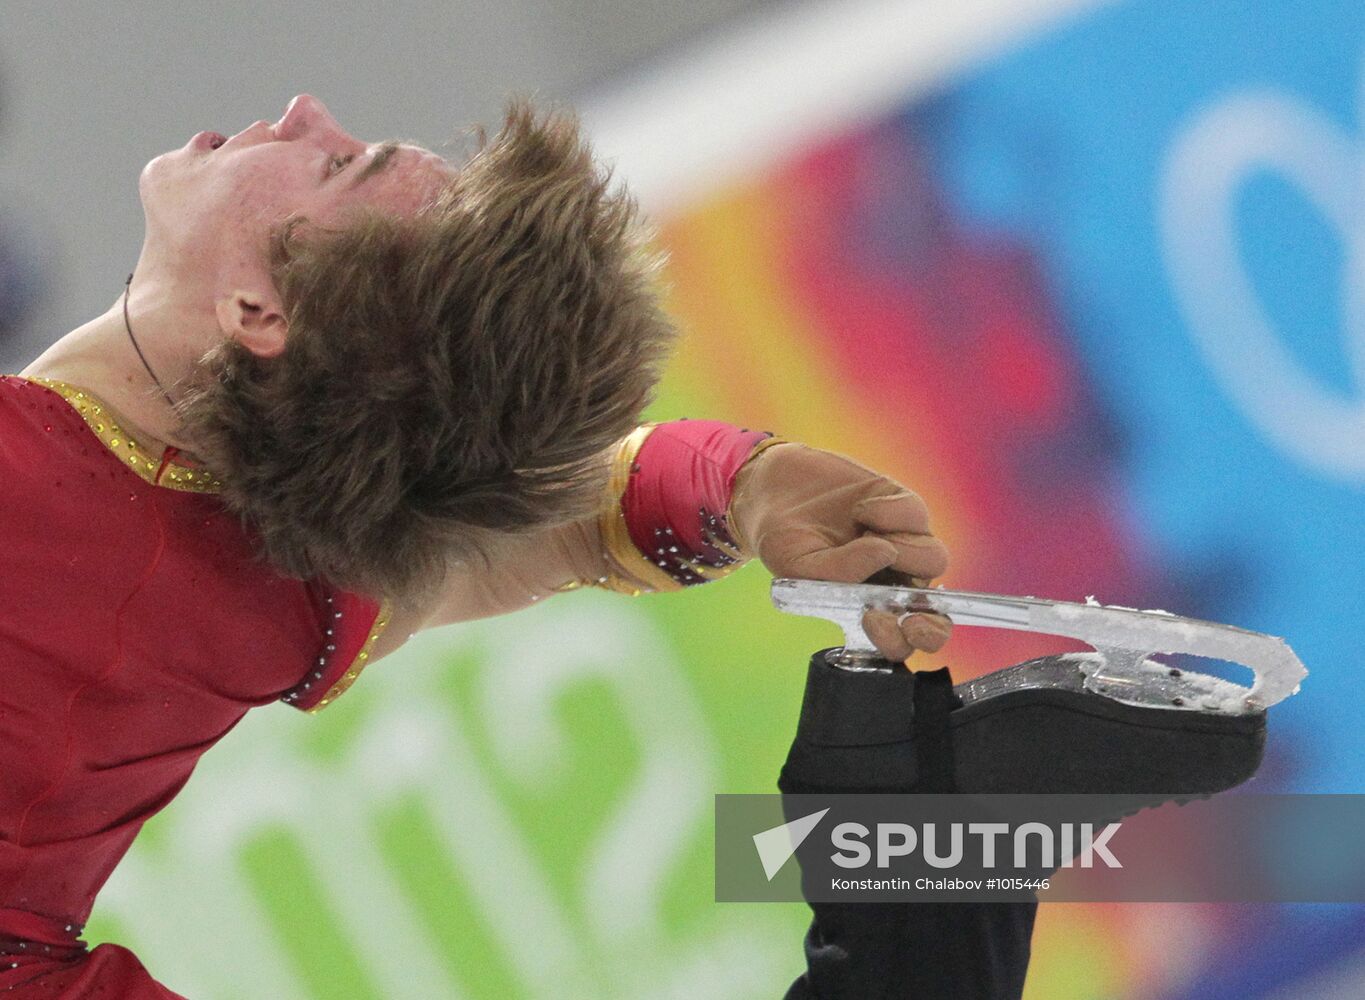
{"x": 338, "y": 163}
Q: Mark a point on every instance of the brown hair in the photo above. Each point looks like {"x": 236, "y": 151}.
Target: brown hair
{"x": 447, "y": 375}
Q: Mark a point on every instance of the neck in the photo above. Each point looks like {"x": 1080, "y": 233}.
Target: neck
{"x": 99, "y": 356}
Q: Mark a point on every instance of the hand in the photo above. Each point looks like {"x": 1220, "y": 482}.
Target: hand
{"x": 816, "y": 515}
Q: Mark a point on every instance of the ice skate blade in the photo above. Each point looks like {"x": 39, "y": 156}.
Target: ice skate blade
{"x": 1123, "y": 640}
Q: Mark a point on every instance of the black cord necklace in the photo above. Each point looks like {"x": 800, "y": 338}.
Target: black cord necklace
{"x": 127, "y": 287}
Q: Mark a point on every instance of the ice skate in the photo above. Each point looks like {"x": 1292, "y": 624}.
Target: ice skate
{"x": 1109, "y": 722}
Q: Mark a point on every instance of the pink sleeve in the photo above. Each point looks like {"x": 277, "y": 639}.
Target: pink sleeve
{"x": 671, "y": 527}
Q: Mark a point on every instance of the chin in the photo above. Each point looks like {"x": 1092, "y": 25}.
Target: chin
{"x": 151, "y": 175}
{"x": 161, "y": 182}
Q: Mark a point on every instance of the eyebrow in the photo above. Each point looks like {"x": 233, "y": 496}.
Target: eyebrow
{"x": 383, "y": 156}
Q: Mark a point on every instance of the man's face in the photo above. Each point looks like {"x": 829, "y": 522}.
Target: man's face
{"x": 211, "y": 204}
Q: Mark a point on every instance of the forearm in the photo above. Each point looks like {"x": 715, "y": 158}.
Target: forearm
{"x": 663, "y": 524}
{"x": 516, "y": 571}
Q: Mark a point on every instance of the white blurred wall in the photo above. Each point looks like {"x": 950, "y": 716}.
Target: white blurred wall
{"x": 679, "y": 96}
{"x": 90, "y": 91}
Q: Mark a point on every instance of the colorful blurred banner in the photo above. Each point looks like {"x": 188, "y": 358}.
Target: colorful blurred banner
{"x": 1097, "y": 302}
{"x": 1100, "y": 302}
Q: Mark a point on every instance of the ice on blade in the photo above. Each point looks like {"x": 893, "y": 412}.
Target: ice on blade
{"x": 1124, "y": 639}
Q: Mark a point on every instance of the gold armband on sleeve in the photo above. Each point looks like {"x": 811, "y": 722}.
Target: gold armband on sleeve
{"x": 630, "y": 571}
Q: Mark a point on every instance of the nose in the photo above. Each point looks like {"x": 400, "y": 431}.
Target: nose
{"x": 306, "y": 115}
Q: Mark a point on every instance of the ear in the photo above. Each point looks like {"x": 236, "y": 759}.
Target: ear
{"x": 254, "y": 319}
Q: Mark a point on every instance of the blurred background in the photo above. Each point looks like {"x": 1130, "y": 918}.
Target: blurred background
{"x": 1087, "y": 275}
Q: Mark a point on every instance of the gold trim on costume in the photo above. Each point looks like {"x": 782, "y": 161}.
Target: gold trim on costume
{"x": 95, "y": 412}
{"x": 637, "y": 573}
{"x": 631, "y": 571}
{"x": 359, "y": 663}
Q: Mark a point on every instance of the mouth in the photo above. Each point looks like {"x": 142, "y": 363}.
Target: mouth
{"x": 253, "y": 134}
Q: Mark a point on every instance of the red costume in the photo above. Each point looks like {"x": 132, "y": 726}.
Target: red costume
{"x": 138, "y": 625}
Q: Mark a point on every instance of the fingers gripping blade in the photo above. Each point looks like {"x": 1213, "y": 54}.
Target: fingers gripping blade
{"x": 1123, "y": 639}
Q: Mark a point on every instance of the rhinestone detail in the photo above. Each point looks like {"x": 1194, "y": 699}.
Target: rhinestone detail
{"x": 358, "y": 664}
{"x": 96, "y": 416}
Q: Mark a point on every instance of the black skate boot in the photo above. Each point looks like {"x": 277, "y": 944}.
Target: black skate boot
{"x": 1031, "y": 728}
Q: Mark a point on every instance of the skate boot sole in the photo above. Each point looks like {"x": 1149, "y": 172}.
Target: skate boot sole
{"x": 1033, "y": 728}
